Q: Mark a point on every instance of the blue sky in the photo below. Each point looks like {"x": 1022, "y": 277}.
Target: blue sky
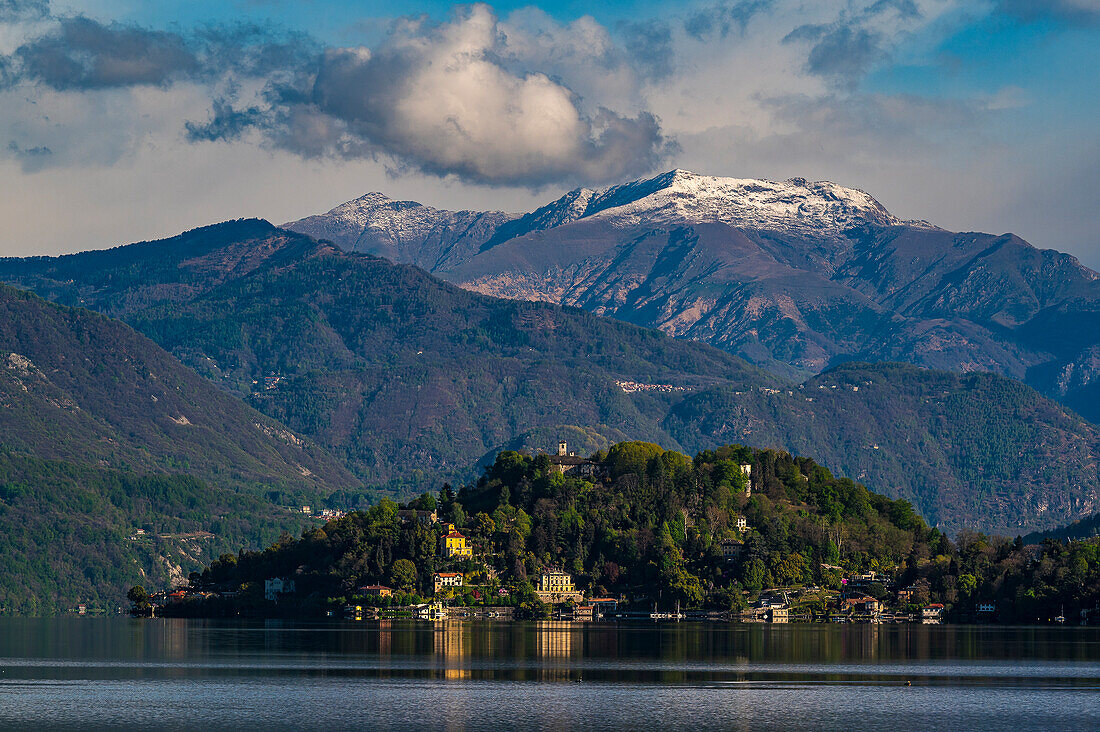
{"x": 128, "y": 120}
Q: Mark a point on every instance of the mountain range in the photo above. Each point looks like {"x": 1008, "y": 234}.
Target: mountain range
{"x": 795, "y": 277}
{"x": 409, "y": 380}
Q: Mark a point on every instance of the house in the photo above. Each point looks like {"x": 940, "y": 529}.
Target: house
{"x": 604, "y": 605}
{"x": 430, "y": 611}
{"x": 778, "y": 615}
{"x": 740, "y": 523}
{"x": 277, "y": 586}
{"x": 861, "y": 604}
{"x": 375, "y": 591}
{"x": 567, "y": 463}
{"x": 442, "y": 580}
{"x": 932, "y": 613}
{"x": 584, "y": 612}
{"x": 863, "y": 582}
{"x": 454, "y": 544}
{"x": 555, "y": 586}
{"x": 731, "y": 549}
{"x": 411, "y": 515}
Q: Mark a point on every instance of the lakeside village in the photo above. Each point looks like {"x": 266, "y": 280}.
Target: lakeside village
{"x": 469, "y": 575}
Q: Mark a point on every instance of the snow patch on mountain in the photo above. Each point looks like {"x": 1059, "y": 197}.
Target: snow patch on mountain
{"x": 794, "y": 206}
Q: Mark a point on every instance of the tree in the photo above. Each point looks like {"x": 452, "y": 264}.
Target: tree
{"x": 403, "y": 574}
{"x": 138, "y": 595}
{"x": 631, "y": 457}
{"x": 484, "y": 526}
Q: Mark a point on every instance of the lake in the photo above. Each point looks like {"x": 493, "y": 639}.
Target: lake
{"x": 95, "y": 673}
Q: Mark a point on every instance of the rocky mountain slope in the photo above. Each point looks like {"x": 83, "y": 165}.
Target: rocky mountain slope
{"x": 795, "y": 276}
{"x": 411, "y": 380}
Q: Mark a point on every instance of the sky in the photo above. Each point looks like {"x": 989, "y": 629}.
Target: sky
{"x": 128, "y": 120}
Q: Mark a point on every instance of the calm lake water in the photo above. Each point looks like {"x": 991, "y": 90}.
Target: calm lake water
{"x": 78, "y": 673}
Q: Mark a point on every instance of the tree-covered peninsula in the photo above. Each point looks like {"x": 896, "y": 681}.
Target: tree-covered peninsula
{"x": 733, "y": 529}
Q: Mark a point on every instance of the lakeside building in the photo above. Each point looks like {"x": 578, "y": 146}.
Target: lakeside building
{"x": 932, "y": 613}
{"x": 556, "y": 586}
{"x": 442, "y": 580}
{"x": 277, "y": 586}
{"x": 454, "y": 544}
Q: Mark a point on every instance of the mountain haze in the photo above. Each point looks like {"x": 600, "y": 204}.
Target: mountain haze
{"x": 411, "y": 380}
{"x": 795, "y": 277}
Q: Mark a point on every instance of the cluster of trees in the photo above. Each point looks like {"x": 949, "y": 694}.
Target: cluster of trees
{"x": 65, "y": 531}
{"x": 654, "y": 529}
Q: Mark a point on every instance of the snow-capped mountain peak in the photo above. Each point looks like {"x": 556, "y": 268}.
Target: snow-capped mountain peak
{"x": 795, "y": 204}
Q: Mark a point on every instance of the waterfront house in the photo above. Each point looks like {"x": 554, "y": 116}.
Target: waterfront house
{"x": 556, "y": 586}
{"x": 277, "y": 586}
{"x": 932, "y": 613}
{"x": 442, "y": 580}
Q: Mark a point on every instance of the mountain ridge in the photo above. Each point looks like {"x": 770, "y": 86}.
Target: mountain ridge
{"x": 410, "y": 379}
{"x": 794, "y": 276}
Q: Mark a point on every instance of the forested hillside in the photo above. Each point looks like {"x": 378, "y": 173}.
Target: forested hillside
{"x": 74, "y": 534}
{"x": 411, "y": 381}
{"x": 103, "y": 433}
{"x": 657, "y": 530}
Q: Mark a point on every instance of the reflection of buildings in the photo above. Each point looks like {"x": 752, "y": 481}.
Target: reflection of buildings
{"x": 452, "y": 648}
{"x": 385, "y": 637}
{"x": 556, "y": 641}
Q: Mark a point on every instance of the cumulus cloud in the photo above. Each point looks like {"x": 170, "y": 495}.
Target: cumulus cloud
{"x": 527, "y": 102}
{"x": 438, "y": 98}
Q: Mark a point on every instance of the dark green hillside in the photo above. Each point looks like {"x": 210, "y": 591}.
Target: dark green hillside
{"x": 69, "y": 533}
{"x": 76, "y": 386}
{"x": 968, "y": 449}
{"x": 102, "y": 433}
{"x": 410, "y": 380}
{"x": 1086, "y": 528}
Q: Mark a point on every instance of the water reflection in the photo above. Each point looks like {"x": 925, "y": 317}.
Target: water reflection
{"x": 470, "y": 674}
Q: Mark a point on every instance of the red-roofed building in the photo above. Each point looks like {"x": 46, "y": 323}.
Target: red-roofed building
{"x": 375, "y": 591}
{"x": 442, "y": 580}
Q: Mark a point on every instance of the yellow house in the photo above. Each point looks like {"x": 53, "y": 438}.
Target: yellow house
{"x": 454, "y": 544}
{"x": 555, "y": 587}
